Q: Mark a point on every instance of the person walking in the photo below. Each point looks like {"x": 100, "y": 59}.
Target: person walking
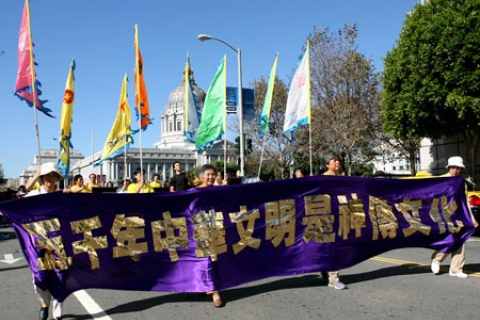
{"x": 457, "y": 262}
{"x": 49, "y": 175}
{"x": 333, "y": 167}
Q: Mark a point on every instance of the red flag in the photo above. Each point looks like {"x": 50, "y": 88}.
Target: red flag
{"x": 141, "y": 97}
{"x": 27, "y": 87}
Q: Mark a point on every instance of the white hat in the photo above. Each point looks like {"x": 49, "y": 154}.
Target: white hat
{"x": 455, "y": 162}
{"x": 49, "y": 167}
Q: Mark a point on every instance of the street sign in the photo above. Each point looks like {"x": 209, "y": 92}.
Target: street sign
{"x": 248, "y": 97}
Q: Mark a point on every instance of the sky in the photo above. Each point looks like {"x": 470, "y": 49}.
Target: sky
{"x": 99, "y": 36}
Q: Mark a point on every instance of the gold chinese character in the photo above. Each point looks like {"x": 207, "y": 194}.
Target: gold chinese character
{"x": 383, "y": 219}
{"x": 209, "y": 233}
{"x": 318, "y": 219}
{"x": 410, "y": 211}
{"x": 280, "y": 221}
{"x": 52, "y": 245}
{"x": 246, "y": 238}
{"x": 89, "y": 243}
{"x": 351, "y": 216}
{"x": 443, "y": 217}
{"x": 127, "y": 231}
{"x": 169, "y": 240}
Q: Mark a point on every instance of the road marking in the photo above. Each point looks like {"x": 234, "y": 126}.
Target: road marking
{"x": 10, "y": 259}
{"x": 419, "y": 265}
{"x": 91, "y": 306}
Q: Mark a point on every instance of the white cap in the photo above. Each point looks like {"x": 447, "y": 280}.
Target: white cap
{"x": 455, "y": 162}
{"x": 50, "y": 167}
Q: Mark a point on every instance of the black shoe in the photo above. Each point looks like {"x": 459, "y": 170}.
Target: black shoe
{"x": 43, "y": 314}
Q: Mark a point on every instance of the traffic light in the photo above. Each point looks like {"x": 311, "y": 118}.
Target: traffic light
{"x": 249, "y": 146}
{"x": 237, "y": 144}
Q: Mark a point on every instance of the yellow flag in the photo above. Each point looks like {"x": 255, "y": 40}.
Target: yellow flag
{"x": 120, "y": 136}
{"x": 66, "y": 121}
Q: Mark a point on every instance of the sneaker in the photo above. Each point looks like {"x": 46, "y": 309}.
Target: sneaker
{"x": 337, "y": 285}
{"x": 458, "y": 274}
{"x": 43, "y": 314}
{"x": 435, "y": 266}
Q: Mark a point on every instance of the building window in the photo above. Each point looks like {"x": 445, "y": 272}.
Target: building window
{"x": 170, "y": 127}
{"x": 179, "y": 126}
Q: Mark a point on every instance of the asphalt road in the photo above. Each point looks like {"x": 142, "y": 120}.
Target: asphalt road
{"x": 395, "y": 285}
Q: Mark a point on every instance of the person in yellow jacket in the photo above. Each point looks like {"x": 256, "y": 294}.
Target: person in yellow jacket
{"x": 139, "y": 186}
{"x": 156, "y": 181}
{"x": 79, "y": 187}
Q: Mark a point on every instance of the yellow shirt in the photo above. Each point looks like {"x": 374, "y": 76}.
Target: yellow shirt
{"x": 93, "y": 185}
{"x": 133, "y": 187}
{"x": 84, "y": 190}
{"x": 155, "y": 184}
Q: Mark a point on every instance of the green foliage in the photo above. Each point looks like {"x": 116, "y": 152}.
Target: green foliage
{"x": 231, "y": 167}
{"x": 2, "y": 176}
{"x": 432, "y": 76}
{"x": 361, "y": 169}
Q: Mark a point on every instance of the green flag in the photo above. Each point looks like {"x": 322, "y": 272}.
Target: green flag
{"x": 265, "y": 116}
{"x": 213, "y": 123}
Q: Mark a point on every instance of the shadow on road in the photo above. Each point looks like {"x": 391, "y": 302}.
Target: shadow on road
{"x": 7, "y": 235}
{"x": 306, "y": 281}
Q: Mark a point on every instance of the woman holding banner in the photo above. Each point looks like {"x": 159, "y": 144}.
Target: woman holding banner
{"x": 48, "y": 176}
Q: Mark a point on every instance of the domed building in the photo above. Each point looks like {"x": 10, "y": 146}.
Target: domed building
{"x": 173, "y": 117}
{"x": 173, "y": 146}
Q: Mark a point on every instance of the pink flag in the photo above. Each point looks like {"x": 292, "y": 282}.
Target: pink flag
{"x": 27, "y": 87}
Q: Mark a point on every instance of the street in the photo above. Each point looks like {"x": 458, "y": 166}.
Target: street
{"x": 395, "y": 285}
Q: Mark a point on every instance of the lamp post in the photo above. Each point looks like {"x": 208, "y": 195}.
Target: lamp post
{"x": 206, "y": 37}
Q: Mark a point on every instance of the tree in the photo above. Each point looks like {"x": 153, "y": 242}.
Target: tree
{"x": 345, "y": 98}
{"x": 432, "y": 78}
{"x": 2, "y": 176}
{"x": 277, "y": 159}
{"x": 345, "y": 106}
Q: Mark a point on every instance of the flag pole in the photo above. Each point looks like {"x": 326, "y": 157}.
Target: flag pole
{"x": 32, "y": 64}
{"x": 261, "y": 155}
{"x": 137, "y": 87}
{"x": 93, "y": 148}
{"x": 309, "y": 110}
{"x": 125, "y": 171}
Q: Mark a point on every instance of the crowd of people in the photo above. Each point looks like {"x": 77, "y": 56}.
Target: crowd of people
{"x": 47, "y": 177}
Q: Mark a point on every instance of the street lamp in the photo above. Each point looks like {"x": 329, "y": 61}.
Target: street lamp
{"x": 206, "y": 37}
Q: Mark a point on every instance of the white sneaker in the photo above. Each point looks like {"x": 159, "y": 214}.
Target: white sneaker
{"x": 337, "y": 285}
{"x": 458, "y": 274}
{"x": 435, "y": 266}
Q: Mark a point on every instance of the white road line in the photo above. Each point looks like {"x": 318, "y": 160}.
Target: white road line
{"x": 91, "y": 306}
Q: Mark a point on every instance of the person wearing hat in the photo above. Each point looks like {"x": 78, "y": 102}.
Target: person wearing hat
{"x": 49, "y": 175}
{"x": 454, "y": 167}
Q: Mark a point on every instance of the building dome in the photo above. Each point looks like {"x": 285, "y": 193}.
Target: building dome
{"x": 173, "y": 117}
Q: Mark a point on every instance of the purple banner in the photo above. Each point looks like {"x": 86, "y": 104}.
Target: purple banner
{"x": 219, "y": 237}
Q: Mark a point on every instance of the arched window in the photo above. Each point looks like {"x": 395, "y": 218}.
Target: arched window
{"x": 170, "y": 127}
